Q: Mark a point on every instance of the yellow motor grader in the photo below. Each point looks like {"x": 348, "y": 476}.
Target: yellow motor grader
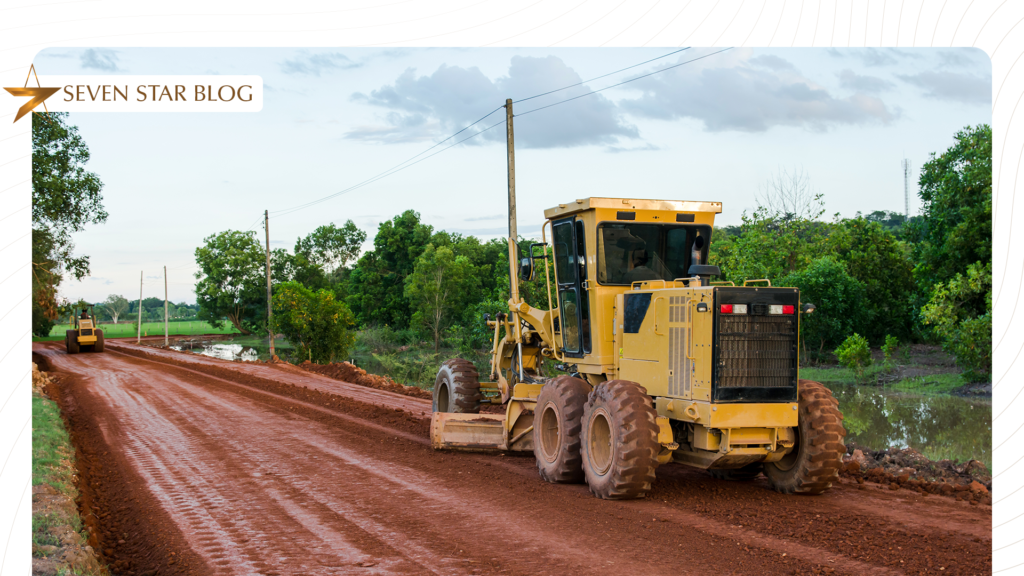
{"x": 85, "y": 336}
{"x": 663, "y": 363}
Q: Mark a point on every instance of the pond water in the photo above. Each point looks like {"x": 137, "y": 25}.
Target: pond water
{"x": 244, "y": 348}
{"x": 938, "y": 427}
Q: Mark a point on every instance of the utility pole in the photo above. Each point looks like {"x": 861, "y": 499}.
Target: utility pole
{"x": 165, "y": 306}
{"x": 138, "y": 338}
{"x": 513, "y": 234}
{"x": 906, "y": 188}
{"x": 270, "y": 310}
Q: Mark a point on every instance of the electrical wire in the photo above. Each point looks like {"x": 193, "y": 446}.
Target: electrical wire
{"x": 621, "y": 83}
{"x": 601, "y": 76}
{"x": 387, "y": 172}
{"x": 383, "y": 175}
{"x": 412, "y": 161}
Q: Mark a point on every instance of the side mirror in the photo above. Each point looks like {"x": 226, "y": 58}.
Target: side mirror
{"x": 526, "y": 269}
{"x": 807, "y": 308}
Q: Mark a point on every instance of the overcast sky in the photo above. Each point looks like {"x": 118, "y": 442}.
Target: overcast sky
{"x": 713, "y": 129}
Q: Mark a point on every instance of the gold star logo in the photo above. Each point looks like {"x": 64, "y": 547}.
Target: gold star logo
{"x": 38, "y": 94}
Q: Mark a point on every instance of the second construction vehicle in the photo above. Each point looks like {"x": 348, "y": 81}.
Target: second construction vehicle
{"x": 85, "y": 336}
{"x": 663, "y": 364}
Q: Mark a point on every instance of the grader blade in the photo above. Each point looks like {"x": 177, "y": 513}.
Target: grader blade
{"x": 468, "y": 432}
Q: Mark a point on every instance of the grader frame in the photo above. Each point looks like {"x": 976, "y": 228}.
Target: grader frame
{"x": 662, "y": 363}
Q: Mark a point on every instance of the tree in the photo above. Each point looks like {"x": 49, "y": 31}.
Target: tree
{"x": 961, "y": 312}
{"x": 232, "y": 280}
{"x": 838, "y": 298}
{"x": 441, "y": 285}
{"x": 377, "y": 283}
{"x": 788, "y": 195}
{"x": 329, "y": 247}
{"x": 769, "y": 246}
{"x": 877, "y": 259}
{"x": 956, "y": 192}
{"x": 314, "y": 322}
{"x": 116, "y": 306}
{"x": 65, "y": 197}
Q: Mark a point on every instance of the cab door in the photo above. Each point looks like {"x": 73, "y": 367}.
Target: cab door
{"x": 570, "y": 278}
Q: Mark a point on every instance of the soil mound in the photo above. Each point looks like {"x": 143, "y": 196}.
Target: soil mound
{"x": 906, "y": 468}
{"x": 353, "y": 374}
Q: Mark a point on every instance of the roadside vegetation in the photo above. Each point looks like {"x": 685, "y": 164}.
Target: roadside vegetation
{"x": 58, "y": 535}
{"x": 130, "y": 329}
{"x": 419, "y": 295}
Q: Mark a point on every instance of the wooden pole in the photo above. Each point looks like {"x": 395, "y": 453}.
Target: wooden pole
{"x": 270, "y": 311}
{"x": 165, "y": 306}
{"x": 138, "y": 338}
{"x": 513, "y": 233}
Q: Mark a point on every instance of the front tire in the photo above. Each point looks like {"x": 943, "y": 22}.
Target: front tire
{"x": 814, "y": 462}
{"x": 457, "y": 388}
{"x": 620, "y": 441}
{"x": 557, "y": 424}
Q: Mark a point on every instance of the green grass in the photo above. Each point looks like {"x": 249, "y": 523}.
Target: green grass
{"x": 53, "y": 464}
{"x": 52, "y": 456}
{"x": 126, "y": 330}
{"x": 934, "y": 384}
{"x": 926, "y": 385}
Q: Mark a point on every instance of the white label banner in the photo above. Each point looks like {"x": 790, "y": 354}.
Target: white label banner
{"x": 163, "y": 93}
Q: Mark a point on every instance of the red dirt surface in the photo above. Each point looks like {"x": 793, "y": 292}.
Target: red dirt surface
{"x": 192, "y": 465}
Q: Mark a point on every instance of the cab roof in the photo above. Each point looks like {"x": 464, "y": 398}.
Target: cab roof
{"x": 584, "y": 204}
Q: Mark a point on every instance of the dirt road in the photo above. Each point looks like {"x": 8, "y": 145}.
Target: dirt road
{"x": 192, "y": 465}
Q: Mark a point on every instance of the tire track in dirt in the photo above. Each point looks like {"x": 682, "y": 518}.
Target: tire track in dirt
{"x": 342, "y": 472}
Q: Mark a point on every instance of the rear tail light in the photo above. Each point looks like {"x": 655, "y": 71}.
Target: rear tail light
{"x": 781, "y": 309}
{"x": 726, "y": 308}
{"x": 734, "y": 308}
{"x": 788, "y": 309}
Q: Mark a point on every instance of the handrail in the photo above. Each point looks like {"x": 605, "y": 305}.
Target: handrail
{"x": 656, "y": 315}
{"x": 547, "y": 285}
{"x": 745, "y": 282}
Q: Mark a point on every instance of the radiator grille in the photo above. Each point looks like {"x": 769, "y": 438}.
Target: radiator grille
{"x": 679, "y": 364}
{"x": 86, "y": 331}
{"x": 757, "y": 351}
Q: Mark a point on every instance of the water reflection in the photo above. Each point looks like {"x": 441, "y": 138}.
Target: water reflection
{"x": 938, "y": 427}
{"x": 224, "y": 351}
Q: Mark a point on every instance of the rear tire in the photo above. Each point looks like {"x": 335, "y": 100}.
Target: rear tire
{"x": 748, "y": 472}
{"x": 620, "y": 441}
{"x": 72, "y": 341}
{"x": 814, "y": 462}
{"x": 557, "y": 423}
{"x": 457, "y": 388}
{"x": 98, "y": 346}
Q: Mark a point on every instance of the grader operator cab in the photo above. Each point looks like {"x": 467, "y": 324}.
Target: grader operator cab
{"x": 85, "y": 337}
{"x": 664, "y": 363}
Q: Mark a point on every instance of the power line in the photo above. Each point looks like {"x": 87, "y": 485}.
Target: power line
{"x": 409, "y": 162}
{"x": 383, "y": 175}
{"x": 623, "y": 82}
{"x": 394, "y": 168}
{"x": 602, "y": 76}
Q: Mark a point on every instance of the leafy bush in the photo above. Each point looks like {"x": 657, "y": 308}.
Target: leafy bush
{"x": 953, "y": 311}
{"x": 890, "y": 347}
{"x": 854, "y": 354}
{"x": 314, "y": 322}
{"x": 838, "y": 298}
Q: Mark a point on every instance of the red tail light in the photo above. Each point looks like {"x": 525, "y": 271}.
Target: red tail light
{"x": 726, "y": 308}
{"x": 787, "y": 309}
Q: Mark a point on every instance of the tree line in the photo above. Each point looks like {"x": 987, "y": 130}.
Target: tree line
{"x": 927, "y": 279}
